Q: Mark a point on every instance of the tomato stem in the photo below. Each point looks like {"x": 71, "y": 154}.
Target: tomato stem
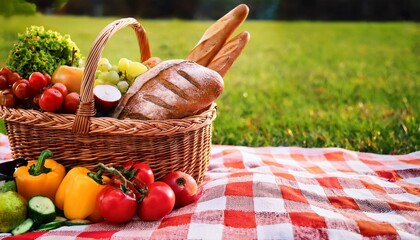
{"x": 124, "y": 187}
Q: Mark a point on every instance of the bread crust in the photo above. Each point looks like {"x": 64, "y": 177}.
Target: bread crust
{"x": 228, "y": 54}
{"x": 173, "y": 89}
{"x": 217, "y": 34}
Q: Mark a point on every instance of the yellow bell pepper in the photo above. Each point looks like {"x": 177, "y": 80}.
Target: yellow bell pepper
{"x": 78, "y": 192}
{"x": 42, "y": 177}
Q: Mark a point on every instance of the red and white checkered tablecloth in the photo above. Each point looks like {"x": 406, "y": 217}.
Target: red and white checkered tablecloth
{"x": 284, "y": 193}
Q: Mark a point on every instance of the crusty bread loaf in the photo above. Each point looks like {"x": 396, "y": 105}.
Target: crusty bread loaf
{"x": 227, "y": 55}
{"x": 217, "y": 34}
{"x": 172, "y": 89}
{"x": 151, "y": 62}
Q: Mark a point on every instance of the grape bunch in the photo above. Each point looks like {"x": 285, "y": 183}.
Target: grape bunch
{"x": 121, "y": 75}
{"x": 36, "y": 92}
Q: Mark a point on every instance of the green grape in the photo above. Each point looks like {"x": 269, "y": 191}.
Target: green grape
{"x": 112, "y": 77}
{"x": 123, "y": 64}
{"x": 122, "y": 86}
{"x": 102, "y": 75}
{"x": 135, "y": 69}
{"x": 99, "y": 81}
{"x": 103, "y": 61}
{"x": 104, "y": 65}
{"x": 114, "y": 68}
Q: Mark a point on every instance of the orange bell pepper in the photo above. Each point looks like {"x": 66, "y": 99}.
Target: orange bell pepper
{"x": 42, "y": 177}
{"x": 78, "y": 192}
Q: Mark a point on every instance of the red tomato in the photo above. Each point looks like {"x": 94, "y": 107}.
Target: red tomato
{"x": 37, "y": 81}
{"x": 47, "y": 77}
{"x": 62, "y": 88}
{"x": 7, "y": 98}
{"x": 35, "y": 100}
{"x": 22, "y": 89}
{"x": 138, "y": 172}
{"x": 51, "y": 100}
{"x": 71, "y": 102}
{"x": 3, "y": 82}
{"x": 184, "y": 186}
{"x": 116, "y": 206}
{"x": 13, "y": 77}
{"x": 5, "y": 71}
{"x": 158, "y": 202}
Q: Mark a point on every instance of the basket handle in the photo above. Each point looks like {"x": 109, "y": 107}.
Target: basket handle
{"x": 86, "y": 107}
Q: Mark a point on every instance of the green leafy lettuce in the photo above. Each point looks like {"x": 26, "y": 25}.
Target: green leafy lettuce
{"x": 40, "y": 50}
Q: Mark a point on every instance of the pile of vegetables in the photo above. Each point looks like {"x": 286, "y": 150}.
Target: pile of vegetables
{"x": 114, "y": 194}
{"x": 45, "y": 69}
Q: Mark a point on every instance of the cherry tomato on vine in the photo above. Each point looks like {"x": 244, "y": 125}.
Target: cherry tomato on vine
{"x": 157, "y": 203}
{"x": 184, "y": 186}
{"x": 116, "y": 206}
{"x": 139, "y": 173}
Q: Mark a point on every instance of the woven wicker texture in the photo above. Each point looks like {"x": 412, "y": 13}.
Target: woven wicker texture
{"x": 82, "y": 139}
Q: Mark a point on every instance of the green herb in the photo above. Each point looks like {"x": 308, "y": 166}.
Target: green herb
{"x": 40, "y": 50}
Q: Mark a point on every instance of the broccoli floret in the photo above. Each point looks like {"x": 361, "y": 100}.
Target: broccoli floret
{"x": 40, "y": 50}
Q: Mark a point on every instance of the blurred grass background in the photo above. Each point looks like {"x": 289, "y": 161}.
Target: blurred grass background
{"x": 354, "y": 85}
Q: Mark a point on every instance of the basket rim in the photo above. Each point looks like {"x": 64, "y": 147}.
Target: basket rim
{"x": 110, "y": 125}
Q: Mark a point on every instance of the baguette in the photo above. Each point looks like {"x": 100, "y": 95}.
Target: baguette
{"x": 173, "y": 89}
{"x": 151, "y": 62}
{"x": 217, "y": 34}
{"x": 224, "y": 59}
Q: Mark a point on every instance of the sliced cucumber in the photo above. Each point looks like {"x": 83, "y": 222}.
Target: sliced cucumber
{"x": 76, "y": 222}
{"x": 24, "y": 227}
{"x": 60, "y": 219}
{"x": 41, "y": 209}
{"x": 50, "y": 226}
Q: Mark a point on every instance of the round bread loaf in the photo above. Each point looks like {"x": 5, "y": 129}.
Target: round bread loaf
{"x": 172, "y": 89}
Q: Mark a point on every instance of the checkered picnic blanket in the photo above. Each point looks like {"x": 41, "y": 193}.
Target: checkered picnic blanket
{"x": 284, "y": 193}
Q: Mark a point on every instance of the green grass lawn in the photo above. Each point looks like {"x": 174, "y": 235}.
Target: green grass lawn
{"x": 308, "y": 84}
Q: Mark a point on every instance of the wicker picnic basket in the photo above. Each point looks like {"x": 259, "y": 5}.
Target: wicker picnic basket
{"x": 82, "y": 139}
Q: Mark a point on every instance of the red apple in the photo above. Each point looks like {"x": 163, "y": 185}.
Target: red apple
{"x": 106, "y": 97}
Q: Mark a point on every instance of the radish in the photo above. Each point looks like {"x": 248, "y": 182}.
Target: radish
{"x": 106, "y": 97}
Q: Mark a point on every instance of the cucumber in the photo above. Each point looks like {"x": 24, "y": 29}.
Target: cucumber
{"x": 58, "y": 222}
{"x": 41, "y": 209}
{"x": 76, "y": 222}
{"x": 60, "y": 219}
{"x": 50, "y": 226}
{"x": 24, "y": 227}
